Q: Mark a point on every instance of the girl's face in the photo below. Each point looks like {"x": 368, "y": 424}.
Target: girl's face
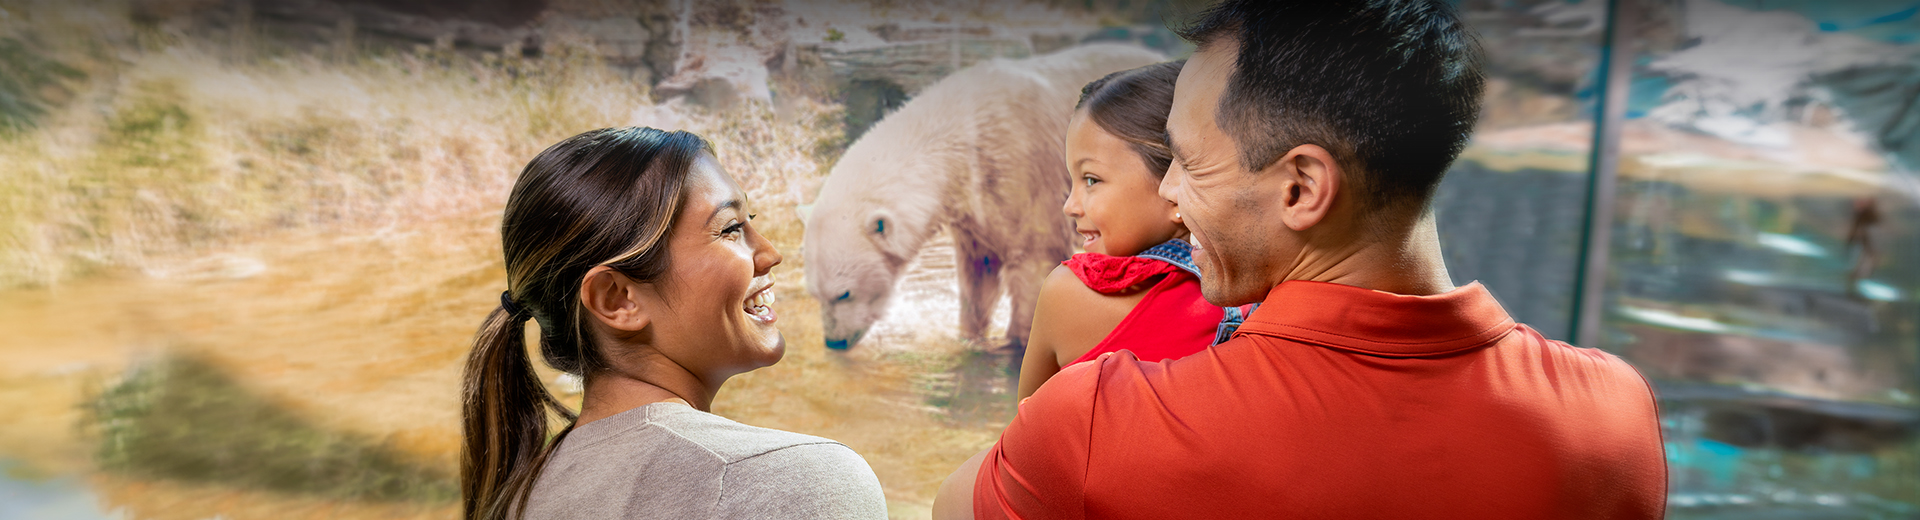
{"x": 1115, "y": 204}
{"x": 713, "y": 312}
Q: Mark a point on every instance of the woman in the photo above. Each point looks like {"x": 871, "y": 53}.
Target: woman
{"x": 636, "y": 255}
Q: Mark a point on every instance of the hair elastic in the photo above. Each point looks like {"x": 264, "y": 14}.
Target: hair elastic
{"x": 506, "y": 303}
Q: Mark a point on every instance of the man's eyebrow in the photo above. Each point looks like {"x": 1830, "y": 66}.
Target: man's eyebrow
{"x": 1175, "y": 150}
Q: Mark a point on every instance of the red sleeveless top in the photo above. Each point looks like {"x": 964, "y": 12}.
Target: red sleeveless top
{"x": 1172, "y": 321}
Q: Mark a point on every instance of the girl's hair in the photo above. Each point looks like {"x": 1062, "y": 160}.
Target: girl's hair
{"x": 605, "y": 197}
{"x": 1133, "y": 105}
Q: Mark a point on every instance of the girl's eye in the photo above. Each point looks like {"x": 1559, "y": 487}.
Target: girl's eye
{"x": 1091, "y": 180}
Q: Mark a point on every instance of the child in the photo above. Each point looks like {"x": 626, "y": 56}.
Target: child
{"x": 1136, "y": 287}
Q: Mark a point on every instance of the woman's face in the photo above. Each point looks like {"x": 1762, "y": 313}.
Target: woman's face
{"x": 714, "y": 314}
{"x": 1115, "y": 204}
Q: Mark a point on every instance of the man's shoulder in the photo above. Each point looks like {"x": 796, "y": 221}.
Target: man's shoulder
{"x": 1078, "y": 387}
{"x": 1562, "y": 349}
{"x": 1591, "y": 364}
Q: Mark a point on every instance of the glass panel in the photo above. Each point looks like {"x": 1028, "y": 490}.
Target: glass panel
{"x": 1764, "y": 211}
{"x": 1510, "y": 210}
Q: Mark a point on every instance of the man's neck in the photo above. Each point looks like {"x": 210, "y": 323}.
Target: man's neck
{"x": 1408, "y": 263}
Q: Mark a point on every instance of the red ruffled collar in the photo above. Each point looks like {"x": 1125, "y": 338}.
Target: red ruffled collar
{"x": 1115, "y": 274}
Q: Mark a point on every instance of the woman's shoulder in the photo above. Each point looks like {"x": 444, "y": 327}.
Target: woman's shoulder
{"x": 729, "y": 440}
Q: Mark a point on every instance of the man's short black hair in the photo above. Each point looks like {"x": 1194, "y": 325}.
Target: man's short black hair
{"x": 1390, "y": 87}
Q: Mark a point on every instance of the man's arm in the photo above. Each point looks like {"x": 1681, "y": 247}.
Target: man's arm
{"x": 1038, "y": 469}
{"x": 955, "y": 500}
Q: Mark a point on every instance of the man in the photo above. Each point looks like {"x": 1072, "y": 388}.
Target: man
{"x": 1308, "y": 138}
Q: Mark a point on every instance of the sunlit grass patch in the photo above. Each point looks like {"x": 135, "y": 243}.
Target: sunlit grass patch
{"x": 183, "y": 417}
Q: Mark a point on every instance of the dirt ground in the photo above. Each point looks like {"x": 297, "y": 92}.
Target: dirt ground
{"x": 367, "y": 334}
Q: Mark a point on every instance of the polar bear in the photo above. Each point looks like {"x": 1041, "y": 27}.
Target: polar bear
{"x": 979, "y": 154}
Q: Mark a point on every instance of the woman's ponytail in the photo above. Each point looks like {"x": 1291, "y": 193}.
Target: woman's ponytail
{"x": 505, "y": 413}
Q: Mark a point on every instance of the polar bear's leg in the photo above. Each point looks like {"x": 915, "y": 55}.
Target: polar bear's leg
{"x": 980, "y": 268}
{"x": 1023, "y": 280}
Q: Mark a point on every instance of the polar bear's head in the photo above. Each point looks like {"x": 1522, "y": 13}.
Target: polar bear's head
{"x": 871, "y": 218}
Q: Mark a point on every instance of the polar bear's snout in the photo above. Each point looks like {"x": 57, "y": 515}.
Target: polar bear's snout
{"x": 836, "y": 337}
{"x": 846, "y": 343}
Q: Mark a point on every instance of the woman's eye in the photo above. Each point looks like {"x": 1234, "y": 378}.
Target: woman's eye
{"x": 733, "y": 230}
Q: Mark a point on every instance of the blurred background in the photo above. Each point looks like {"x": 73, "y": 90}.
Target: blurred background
{"x": 244, "y": 243}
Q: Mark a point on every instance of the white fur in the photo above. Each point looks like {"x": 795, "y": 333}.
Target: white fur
{"x": 980, "y": 154}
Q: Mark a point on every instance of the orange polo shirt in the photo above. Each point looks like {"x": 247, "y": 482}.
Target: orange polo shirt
{"x": 1334, "y": 401}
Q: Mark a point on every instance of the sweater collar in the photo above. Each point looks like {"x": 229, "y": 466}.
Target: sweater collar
{"x": 1379, "y": 323}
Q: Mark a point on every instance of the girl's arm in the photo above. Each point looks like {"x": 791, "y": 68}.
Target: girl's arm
{"x": 1068, "y": 320}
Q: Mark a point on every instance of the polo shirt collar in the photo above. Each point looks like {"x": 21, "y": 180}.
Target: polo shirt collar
{"x": 1380, "y": 323}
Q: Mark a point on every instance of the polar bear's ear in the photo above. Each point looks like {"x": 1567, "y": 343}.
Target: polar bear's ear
{"x": 878, "y": 224}
{"x": 883, "y": 230}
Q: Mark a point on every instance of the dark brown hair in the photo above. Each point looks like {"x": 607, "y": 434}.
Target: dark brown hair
{"x": 1133, "y": 105}
{"x": 605, "y": 197}
{"x": 1391, "y": 88}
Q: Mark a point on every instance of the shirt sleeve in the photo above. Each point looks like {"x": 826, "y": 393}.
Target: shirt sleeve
{"x": 1039, "y": 467}
{"x": 823, "y": 481}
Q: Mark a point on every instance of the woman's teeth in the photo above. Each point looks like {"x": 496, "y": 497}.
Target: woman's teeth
{"x": 760, "y": 305}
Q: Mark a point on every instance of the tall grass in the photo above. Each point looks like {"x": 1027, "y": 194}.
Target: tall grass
{"x": 184, "y": 417}
{"x": 189, "y": 143}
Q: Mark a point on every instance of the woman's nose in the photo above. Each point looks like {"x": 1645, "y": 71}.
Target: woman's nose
{"x": 765, "y": 256}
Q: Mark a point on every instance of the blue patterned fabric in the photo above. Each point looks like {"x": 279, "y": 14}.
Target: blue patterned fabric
{"x": 1231, "y": 321}
{"x": 1179, "y": 253}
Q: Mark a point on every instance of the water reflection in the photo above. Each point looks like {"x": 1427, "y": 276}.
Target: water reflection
{"x": 65, "y": 498}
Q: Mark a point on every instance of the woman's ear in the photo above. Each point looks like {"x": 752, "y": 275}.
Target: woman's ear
{"x": 614, "y": 299}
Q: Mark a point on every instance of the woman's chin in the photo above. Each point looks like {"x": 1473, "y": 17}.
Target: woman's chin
{"x": 772, "y": 350}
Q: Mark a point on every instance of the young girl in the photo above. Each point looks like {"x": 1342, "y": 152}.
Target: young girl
{"x": 1136, "y": 287}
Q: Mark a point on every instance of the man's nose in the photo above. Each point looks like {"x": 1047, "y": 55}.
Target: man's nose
{"x": 1170, "y": 184}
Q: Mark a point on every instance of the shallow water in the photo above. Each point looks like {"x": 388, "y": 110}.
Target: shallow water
{"x": 62, "y": 498}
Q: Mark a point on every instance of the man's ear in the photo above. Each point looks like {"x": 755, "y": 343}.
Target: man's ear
{"x": 614, "y": 299}
{"x": 1310, "y": 180}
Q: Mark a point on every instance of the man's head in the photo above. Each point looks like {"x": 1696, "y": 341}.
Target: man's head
{"x": 1305, "y": 128}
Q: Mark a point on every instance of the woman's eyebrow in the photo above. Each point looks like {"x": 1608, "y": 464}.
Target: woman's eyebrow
{"x": 730, "y": 203}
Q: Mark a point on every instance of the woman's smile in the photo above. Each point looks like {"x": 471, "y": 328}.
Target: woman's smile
{"x": 759, "y": 304}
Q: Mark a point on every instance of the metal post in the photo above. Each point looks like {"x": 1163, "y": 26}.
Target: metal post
{"x": 1616, "y": 74}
